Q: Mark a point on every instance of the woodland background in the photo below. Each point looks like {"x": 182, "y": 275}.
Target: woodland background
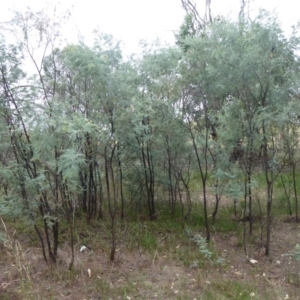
{"x": 204, "y": 133}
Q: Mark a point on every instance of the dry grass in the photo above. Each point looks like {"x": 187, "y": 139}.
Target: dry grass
{"x": 154, "y": 260}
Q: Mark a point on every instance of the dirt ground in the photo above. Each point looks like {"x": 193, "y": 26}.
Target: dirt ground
{"x": 158, "y": 274}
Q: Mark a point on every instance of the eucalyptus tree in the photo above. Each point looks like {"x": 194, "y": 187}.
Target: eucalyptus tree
{"x": 265, "y": 69}
{"x": 17, "y": 112}
{"x": 289, "y": 142}
{"x": 75, "y": 80}
{"x": 248, "y": 67}
{"x": 96, "y": 89}
{"x": 41, "y": 164}
{"x": 202, "y": 99}
{"x": 200, "y": 21}
{"x": 196, "y": 121}
{"x": 160, "y": 83}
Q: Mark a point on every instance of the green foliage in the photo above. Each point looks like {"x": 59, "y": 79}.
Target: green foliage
{"x": 295, "y": 253}
{"x": 203, "y": 248}
{"x": 148, "y": 240}
{"x": 227, "y": 222}
{"x": 110, "y": 137}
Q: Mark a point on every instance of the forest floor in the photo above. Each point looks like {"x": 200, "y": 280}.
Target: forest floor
{"x": 153, "y": 261}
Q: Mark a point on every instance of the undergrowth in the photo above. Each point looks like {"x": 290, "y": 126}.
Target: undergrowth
{"x": 165, "y": 246}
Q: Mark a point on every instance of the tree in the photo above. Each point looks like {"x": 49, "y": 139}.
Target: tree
{"x": 249, "y": 70}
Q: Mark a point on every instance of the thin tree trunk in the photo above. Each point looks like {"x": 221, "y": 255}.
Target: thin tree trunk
{"x": 203, "y": 174}
{"x": 295, "y": 191}
{"x": 288, "y": 195}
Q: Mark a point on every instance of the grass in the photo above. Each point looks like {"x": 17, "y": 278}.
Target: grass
{"x": 226, "y": 222}
{"x": 230, "y": 289}
{"x": 154, "y": 260}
